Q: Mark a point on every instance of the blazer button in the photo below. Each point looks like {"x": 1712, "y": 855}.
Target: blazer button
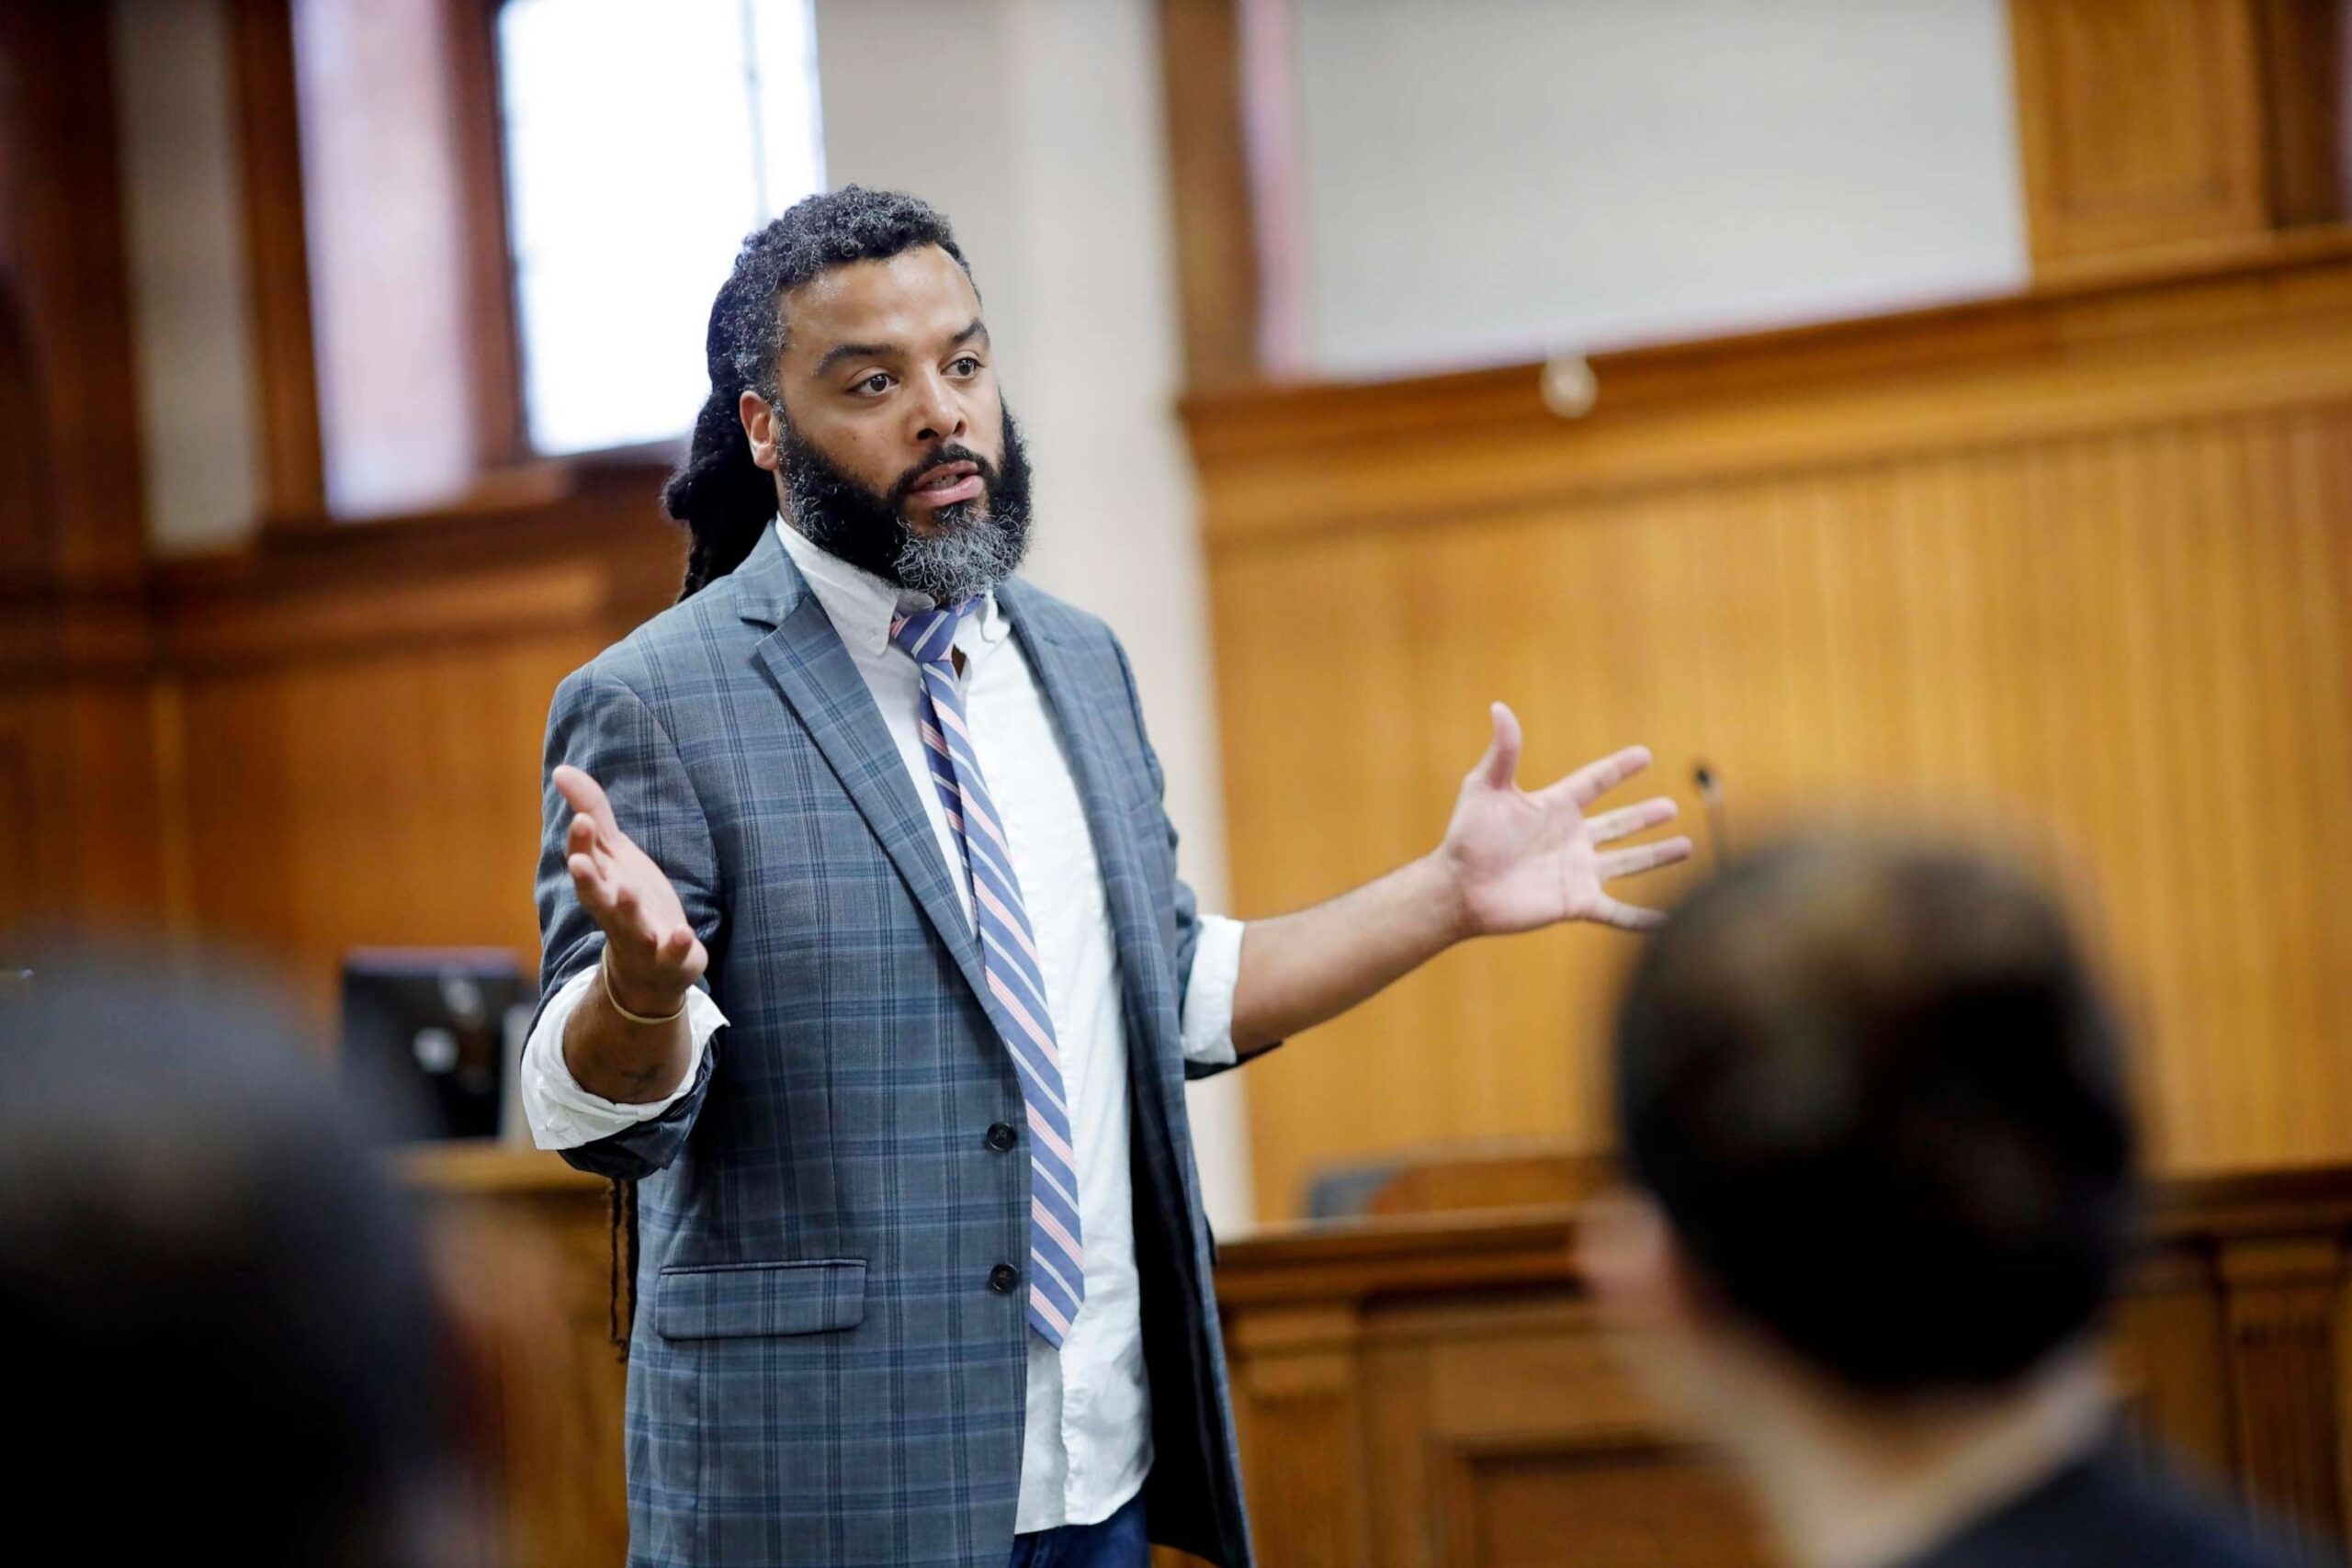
{"x": 1003, "y": 1137}
{"x": 1002, "y": 1278}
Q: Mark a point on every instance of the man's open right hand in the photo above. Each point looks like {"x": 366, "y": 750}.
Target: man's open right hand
{"x": 656, "y": 957}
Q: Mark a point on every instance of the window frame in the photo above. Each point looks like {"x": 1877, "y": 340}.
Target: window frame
{"x": 506, "y": 470}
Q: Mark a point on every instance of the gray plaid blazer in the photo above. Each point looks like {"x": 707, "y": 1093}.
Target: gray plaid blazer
{"x": 820, "y": 1372}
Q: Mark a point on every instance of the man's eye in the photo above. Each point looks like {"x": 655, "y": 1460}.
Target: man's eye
{"x": 877, "y": 382}
{"x": 969, "y": 365}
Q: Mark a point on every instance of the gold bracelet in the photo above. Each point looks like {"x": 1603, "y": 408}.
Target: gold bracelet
{"x": 604, "y": 970}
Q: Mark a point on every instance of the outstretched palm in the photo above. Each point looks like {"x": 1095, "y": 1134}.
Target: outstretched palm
{"x": 1524, "y": 859}
{"x": 655, "y": 953}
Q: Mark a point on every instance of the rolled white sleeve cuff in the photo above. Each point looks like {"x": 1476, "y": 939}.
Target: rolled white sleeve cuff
{"x": 563, "y": 1115}
{"x": 1208, "y": 996}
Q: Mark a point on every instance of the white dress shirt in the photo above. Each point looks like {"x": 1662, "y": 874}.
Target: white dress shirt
{"x": 1088, "y": 1442}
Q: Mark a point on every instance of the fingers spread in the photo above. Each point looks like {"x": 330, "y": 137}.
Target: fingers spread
{"x": 1594, "y": 780}
{"x": 583, "y": 794}
{"x": 1627, "y": 917}
{"x": 595, "y": 892}
{"x": 1499, "y": 766}
{"x": 581, "y": 837}
{"x": 1626, "y": 821}
{"x": 1615, "y": 863}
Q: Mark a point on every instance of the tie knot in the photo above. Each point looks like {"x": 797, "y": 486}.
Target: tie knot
{"x": 928, "y": 637}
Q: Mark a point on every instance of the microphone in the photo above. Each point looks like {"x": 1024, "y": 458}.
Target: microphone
{"x": 1710, "y": 796}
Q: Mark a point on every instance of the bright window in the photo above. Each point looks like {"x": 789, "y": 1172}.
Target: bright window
{"x": 642, "y": 143}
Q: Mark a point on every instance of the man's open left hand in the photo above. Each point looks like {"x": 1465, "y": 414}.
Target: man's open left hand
{"x": 1522, "y": 860}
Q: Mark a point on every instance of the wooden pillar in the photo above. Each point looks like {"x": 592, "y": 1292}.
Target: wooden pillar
{"x": 78, "y": 803}
{"x": 277, "y": 253}
{"x": 64, "y": 285}
{"x": 1224, "y": 73}
{"x": 1298, "y": 1403}
{"x": 2152, "y": 126}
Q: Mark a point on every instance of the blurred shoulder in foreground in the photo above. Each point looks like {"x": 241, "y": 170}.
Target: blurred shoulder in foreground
{"x": 1881, "y": 1185}
{"x": 215, "y": 1304}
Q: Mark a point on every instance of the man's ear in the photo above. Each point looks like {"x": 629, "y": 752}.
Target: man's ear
{"x": 763, "y": 427}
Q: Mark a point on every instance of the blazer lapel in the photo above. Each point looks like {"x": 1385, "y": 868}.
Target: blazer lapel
{"x": 805, "y": 657}
{"x": 1091, "y": 760}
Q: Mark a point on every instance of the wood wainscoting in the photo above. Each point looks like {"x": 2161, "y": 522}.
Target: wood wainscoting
{"x": 328, "y": 741}
{"x": 1427, "y": 1390}
{"x": 354, "y": 722}
{"x": 2074, "y": 570}
{"x": 1434, "y": 1388}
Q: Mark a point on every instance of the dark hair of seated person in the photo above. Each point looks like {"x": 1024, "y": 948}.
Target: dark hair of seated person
{"x": 1879, "y": 1095}
{"x": 222, "y": 1344}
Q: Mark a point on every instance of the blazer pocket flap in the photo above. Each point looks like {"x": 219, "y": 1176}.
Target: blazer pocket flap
{"x": 743, "y": 1300}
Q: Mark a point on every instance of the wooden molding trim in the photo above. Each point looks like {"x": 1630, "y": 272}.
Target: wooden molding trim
{"x": 1286, "y": 1265}
{"x": 1282, "y": 461}
{"x": 1211, "y": 206}
{"x": 269, "y": 143}
{"x": 65, "y": 329}
{"x": 2140, "y": 122}
{"x": 2148, "y": 123}
{"x": 602, "y": 558}
{"x": 496, "y": 368}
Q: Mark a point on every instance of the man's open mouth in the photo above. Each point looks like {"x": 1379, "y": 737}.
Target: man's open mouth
{"x": 946, "y": 476}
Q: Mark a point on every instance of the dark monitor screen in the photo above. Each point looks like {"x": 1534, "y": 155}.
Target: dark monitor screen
{"x": 426, "y": 1035}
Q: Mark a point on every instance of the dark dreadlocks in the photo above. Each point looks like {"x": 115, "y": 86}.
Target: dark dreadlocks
{"x": 718, "y": 493}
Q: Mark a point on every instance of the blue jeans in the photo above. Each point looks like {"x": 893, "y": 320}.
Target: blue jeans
{"x": 1117, "y": 1542}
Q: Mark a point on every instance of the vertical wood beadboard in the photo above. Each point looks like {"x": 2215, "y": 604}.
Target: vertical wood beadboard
{"x": 2121, "y": 651}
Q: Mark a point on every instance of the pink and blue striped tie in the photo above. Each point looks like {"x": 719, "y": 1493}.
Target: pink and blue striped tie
{"x": 1008, "y": 963}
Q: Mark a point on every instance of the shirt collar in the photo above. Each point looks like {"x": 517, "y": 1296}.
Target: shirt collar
{"x": 862, "y": 605}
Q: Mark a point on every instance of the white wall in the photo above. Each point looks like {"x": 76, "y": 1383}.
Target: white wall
{"x": 1491, "y": 179}
{"x": 1036, "y": 125}
{"x": 190, "y": 315}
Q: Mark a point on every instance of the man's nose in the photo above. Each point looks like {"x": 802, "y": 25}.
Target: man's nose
{"x": 938, "y": 411}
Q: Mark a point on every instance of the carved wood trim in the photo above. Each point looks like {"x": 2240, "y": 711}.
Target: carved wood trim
{"x": 1463, "y": 1465}
{"x": 1282, "y": 465}
{"x": 1298, "y": 1400}
{"x": 2285, "y": 1301}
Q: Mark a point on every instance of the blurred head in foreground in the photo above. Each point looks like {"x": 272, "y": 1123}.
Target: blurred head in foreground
{"x": 221, "y": 1335}
{"x": 1879, "y": 1156}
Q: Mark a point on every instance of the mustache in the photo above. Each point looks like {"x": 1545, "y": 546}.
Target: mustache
{"x": 947, "y": 452}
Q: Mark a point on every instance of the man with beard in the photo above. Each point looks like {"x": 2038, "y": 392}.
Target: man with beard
{"x": 867, "y": 963}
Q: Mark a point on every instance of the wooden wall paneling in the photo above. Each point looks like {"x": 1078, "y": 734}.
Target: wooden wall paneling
{"x": 493, "y": 337}
{"x": 277, "y": 263}
{"x": 1496, "y": 1422}
{"x": 2141, "y": 123}
{"x": 1212, "y": 213}
{"x": 361, "y": 716}
{"x": 2286, "y": 1366}
{"x": 1436, "y": 1390}
{"x": 1235, "y": 212}
{"x": 28, "y": 523}
{"x": 2073, "y": 573}
{"x": 391, "y": 801}
{"x": 2305, "y": 71}
{"x": 1541, "y": 1447}
{"x": 1337, "y": 792}
{"x": 1627, "y": 1501}
{"x": 518, "y": 1242}
{"x": 2169, "y": 1349}
{"x": 80, "y": 823}
{"x": 1306, "y": 1426}
{"x": 62, "y": 252}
